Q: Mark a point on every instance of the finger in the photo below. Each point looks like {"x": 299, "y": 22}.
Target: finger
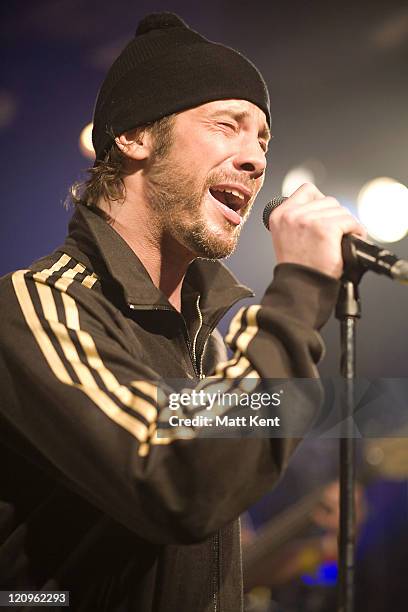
{"x": 327, "y": 202}
{"x": 306, "y": 193}
{"x": 362, "y": 233}
{"x": 327, "y": 214}
{"x": 325, "y": 208}
{"x": 326, "y": 219}
{"x": 318, "y": 207}
{"x": 350, "y": 225}
{"x": 335, "y": 215}
{"x": 296, "y": 206}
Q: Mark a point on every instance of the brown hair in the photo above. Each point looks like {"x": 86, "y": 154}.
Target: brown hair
{"x": 106, "y": 177}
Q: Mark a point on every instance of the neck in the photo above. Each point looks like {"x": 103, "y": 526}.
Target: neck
{"x": 165, "y": 260}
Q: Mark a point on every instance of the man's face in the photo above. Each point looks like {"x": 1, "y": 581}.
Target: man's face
{"x": 205, "y": 184}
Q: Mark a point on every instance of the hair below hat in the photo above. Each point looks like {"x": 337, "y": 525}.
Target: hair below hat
{"x": 169, "y": 68}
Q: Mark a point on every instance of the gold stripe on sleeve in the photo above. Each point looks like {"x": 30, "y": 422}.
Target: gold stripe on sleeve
{"x": 72, "y": 272}
{"x": 146, "y": 388}
{"x": 138, "y": 404}
{"x": 235, "y": 325}
{"x": 68, "y": 277}
{"x": 63, "y": 260}
{"x": 89, "y": 280}
{"x": 71, "y": 314}
{"x": 235, "y": 367}
{"x": 87, "y": 383}
{"x": 251, "y": 330}
{"x": 43, "y": 341}
{"x": 236, "y": 370}
{"x": 47, "y": 302}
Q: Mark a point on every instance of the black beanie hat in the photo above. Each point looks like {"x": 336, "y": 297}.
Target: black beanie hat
{"x": 169, "y": 68}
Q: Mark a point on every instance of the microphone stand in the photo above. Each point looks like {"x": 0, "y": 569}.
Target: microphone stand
{"x": 348, "y": 310}
{"x": 358, "y": 257}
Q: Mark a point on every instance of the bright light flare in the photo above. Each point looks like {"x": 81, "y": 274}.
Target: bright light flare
{"x": 295, "y": 178}
{"x": 383, "y": 208}
{"x": 85, "y": 142}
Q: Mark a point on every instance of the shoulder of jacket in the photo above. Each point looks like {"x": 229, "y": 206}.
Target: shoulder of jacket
{"x": 61, "y": 270}
{"x": 58, "y": 270}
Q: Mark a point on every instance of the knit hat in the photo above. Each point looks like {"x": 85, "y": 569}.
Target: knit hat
{"x": 168, "y": 68}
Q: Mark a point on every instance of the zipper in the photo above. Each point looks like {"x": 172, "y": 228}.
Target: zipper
{"x": 240, "y": 560}
{"x": 216, "y": 543}
{"x": 200, "y": 317}
{"x": 202, "y": 354}
{"x": 215, "y": 577}
{"x": 190, "y": 348}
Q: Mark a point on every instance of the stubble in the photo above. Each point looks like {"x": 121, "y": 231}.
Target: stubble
{"x": 176, "y": 197}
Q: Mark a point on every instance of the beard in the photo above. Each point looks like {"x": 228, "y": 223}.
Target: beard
{"x": 176, "y": 197}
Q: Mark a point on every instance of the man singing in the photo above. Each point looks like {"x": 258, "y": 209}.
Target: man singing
{"x": 94, "y": 501}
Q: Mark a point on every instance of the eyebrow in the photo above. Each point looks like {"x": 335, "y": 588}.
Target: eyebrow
{"x": 239, "y": 116}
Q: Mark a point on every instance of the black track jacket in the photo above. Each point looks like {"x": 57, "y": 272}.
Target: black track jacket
{"x": 91, "y": 500}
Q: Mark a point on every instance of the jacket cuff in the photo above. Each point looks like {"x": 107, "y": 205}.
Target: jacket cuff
{"x": 302, "y": 293}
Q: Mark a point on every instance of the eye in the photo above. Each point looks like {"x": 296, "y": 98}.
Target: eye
{"x": 228, "y": 124}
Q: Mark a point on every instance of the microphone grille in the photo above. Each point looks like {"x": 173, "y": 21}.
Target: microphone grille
{"x": 274, "y": 203}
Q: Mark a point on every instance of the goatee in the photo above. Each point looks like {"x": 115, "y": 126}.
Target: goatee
{"x": 176, "y": 200}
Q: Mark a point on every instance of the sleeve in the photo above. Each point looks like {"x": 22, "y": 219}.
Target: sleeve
{"x": 92, "y": 408}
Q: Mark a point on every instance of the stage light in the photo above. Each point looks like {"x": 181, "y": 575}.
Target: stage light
{"x": 382, "y": 206}
{"x": 85, "y": 142}
{"x": 295, "y": 178}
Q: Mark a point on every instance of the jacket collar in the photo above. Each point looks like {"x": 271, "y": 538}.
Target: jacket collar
{"x": 97, "y": 245}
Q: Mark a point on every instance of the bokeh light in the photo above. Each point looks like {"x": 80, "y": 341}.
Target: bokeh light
{"x": 85, "y": 142}
{"x": 382, "y": 206}
{"x": 295, "y": 178}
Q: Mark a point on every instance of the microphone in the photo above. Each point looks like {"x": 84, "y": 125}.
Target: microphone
{"x": 357, "y": 252}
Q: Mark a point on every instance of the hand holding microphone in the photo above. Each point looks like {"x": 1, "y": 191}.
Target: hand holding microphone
{"x": 308, "y": 229}
{"x": 316, "y": 231}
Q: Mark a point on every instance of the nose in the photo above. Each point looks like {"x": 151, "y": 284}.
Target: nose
{"x": 251, "y": 158}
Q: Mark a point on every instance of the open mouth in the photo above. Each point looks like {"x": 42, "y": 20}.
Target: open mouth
{"x": 235, "y": 199}
{"x": 231, "y": 201}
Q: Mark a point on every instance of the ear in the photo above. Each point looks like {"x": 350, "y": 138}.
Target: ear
{"x": 135, "y": 144}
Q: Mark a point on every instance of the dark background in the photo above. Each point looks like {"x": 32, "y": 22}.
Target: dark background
{"x": 337, "y": 74}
